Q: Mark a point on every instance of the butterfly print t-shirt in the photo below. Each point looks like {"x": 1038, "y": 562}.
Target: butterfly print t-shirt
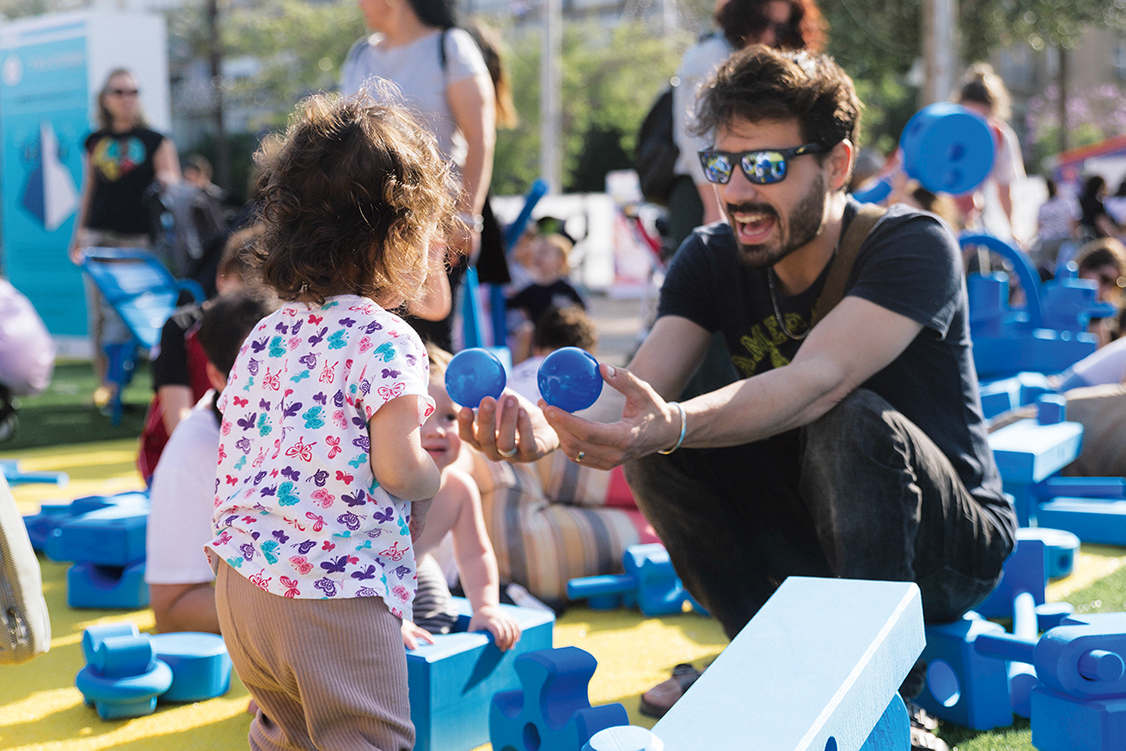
{"x": 297, "y": 509}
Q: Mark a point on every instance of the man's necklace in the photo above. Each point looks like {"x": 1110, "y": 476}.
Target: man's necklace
{"x": 777, "y": 312}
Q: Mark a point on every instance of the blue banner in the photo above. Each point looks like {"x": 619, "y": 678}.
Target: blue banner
{"x": 44, "y": 105}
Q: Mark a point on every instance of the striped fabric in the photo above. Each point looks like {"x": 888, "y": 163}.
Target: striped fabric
{"x": 433, "y": 607}
{"x": 542, "y": 543}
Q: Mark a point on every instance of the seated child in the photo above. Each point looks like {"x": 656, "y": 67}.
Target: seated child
{"x": 551, "y": 289}
{"x": 181, "y": 591}
{"x": 555, "y": 329}
{"x": 456, "y": 511}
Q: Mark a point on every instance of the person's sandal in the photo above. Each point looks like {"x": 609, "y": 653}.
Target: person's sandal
{"x": 658, "y": 700}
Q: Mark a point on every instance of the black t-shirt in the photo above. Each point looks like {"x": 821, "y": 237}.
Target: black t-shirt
{"x": 535, "y": 299}
{"x": 910, "y": 264}
{"x": 121, "y": 168}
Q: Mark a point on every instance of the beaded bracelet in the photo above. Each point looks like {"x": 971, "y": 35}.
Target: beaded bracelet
{"x": 683, "y": 429}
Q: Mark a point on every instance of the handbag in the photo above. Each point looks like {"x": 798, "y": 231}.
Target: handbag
{"x": 25, "y": 626}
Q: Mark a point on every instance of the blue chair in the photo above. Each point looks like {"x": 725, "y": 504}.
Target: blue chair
{"x": 144, "y": 294}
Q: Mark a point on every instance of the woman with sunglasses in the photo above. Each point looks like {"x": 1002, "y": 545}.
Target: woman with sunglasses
{"x": 782, "y": 24}
{"x": 122, "y": 159}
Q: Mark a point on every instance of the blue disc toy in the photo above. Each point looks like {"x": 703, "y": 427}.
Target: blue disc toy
{"x": 947, "y": 148}
{"x": 474, "y": 374}
{"x": 569, "y": 379}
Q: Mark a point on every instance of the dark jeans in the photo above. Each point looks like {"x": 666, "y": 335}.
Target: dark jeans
{"x": 861, "y": 493}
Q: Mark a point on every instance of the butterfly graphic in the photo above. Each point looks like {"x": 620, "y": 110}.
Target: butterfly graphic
{"x": 338, "y": 399}
{"x": 236, "y": 562}
{"x": 319, "y": 336}
{"x": 390, "y": 374}
{"x": 300, "y": 376}
{"x": 372, "y": 327}
{"x": 294, "y": 342}
{"x": 362, "y": 443}
{"x": 291, "y": 473}
{"x": 334, "y": 446}
{"x": 359, "y": 422}
{"x": 301, "y": 564}
{"x": 280, "y": 536}
{"x": 349, "y": 520}
{"x": 252, "y": 366}
{"x": 365, "y": 546}
{"x": 272, "y": 380}
{"x": 247, "y": 551}
{"x": 384, "y": 516}
{"x": 364, "y": 575}
{"x": 386, "y": 350}
{"x": 402, "y": 571}
{"x": 320, "y": 398}
{"x": 360, "y": 459}
{"x": 240, "y": 402}
{"x": 389, "y": 393}
{"x": 291, "y": 590}
{"x": 323, "y": 498}
{"x": 394, "y": 553}
{"x": 270, "y": 490}
{"x": 259, "y": 344}
{"x": 286, "y": 496}
{"x": 316, "y": 320}
{"x": 306, "y": 546}
{"x": 326, "y": 545}
{"x": 365, "y": 344}
{"x": 264, "y": 426}
{"x": 302, "y": 449}
{"x": 326, "y": 372}
{"x": 313, "y": 419}
{"x": 277, "y": 347}
{"x": 263, "y": 404}
{"x": 347, "y": 322}
{"x": 358, "y": 499}
{"x": 309, "y": 360}
{"x": 342, "y": 476}
{"x": 232, "y": 480}
{"x": 246, "y": 423}
{"x": 328, "y": 586}
{"x": 241, "y": 462}
{"x": 261, "y": 581}
{"x": 365, "y": 387}
{"x": 281, "y": 328}
{"x": 319, "y": 477}
{"x": 338, "y": 340}
{"x": 336, "y": 566}
{"x": 292, "y": 409}
{"x": 243, "y": 445}
{"x": 259, "y": 477}
{"x": 268, "y": 549}
{"x": 401, "y": 592}
{"x": 338, "y": 418}
{"x": 296, "y": 326}
{"x": 329, "y": 305}
{"x": 318, "y": 521}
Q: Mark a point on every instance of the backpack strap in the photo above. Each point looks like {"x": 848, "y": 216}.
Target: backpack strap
{"x": 442, "y": 50}
{"x": 852, "y": 240}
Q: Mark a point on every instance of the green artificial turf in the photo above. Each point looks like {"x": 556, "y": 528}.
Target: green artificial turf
{"x": 64, "y": 413}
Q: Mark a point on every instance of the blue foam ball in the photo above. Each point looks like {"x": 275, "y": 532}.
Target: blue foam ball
{"x": 569, "y": 379}
{"x": 474, "y": 374}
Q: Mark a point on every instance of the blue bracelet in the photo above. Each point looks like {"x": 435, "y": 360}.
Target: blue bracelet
{"x": 683, "y": 429}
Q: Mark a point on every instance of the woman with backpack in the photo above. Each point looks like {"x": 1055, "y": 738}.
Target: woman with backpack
{"x": 442, "y": 75}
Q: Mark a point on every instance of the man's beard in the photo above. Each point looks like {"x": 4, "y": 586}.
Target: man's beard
{"x": 803, "y": 225}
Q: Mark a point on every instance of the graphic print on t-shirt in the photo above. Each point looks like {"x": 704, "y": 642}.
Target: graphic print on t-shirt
{"x": 114, "y": 158}
{"x": 762, "y": 344}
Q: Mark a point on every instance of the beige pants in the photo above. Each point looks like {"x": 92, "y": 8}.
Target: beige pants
{"x": 327, "y": 674}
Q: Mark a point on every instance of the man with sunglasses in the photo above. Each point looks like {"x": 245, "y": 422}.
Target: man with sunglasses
{"x": 852, "y": 448}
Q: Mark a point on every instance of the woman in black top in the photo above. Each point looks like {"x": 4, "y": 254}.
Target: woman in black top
{"x": 1095, "y": 222}
{"x": 122, "y": 158}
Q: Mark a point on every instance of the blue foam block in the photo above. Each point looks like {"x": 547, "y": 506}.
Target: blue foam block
{"x": 962, "y": 686}
{"x": 124, "y": 677}
{"x": 649, "y": 580}
{"x": 815, "y": 668}
{"x": 1061, "y": 547}
{"x": 452, "y": 681}
{"x": 1028, "y": 452}
{"x": 551, "y": 712}
{"x": 1091, "y": 520}
{"x": 92, "y": 586}
{"x": 1025, "y": 570}
{"x": 1066, "y": 723}
{"x": 111, "y": 536}
{"x": 201, "y": 667}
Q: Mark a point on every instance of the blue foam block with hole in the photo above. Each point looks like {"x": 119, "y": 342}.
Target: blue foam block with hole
{"x": 123, "y": 678}
{"x": 963, "y": 686}
{"x": 92, "y": 586}
{"x": 1061, "y": 546}
{"x": 452, "y": 682}
{"x": 551, "y": 712}
{"x": 815, "y": 668}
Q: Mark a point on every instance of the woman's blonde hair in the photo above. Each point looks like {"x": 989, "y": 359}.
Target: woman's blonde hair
{"x": 352, "y": 197}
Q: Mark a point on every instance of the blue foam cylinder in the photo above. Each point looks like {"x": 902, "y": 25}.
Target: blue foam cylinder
{"x": 93, "y": 636}
{"x": 201, "y": 667}
{"x": 131, "y": 696}
{"x": 947, "y": 148}
{"x": 120, "y": 656}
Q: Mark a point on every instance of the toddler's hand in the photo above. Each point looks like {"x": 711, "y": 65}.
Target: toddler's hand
{"x": 500, "y": 624}
{"x": 412, "y": 633}
{"x": 419, "y": 510}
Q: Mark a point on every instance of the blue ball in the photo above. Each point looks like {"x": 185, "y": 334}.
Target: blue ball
{"x": 474, "y": 374}
{"x": 569, "y": 379}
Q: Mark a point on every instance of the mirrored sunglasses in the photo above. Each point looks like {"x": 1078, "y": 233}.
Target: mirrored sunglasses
{"x": 761, "y": 167}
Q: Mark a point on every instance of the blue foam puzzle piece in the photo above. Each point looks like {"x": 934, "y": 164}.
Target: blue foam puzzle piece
{"x": 649, "y": 581}
{"x": 551, "y": 712}
{"x": 1084, "y": 661}
{"x": 453, "y": 680}
{"x": 111, "y": 536}
{"x": 92, "y": 586}
{"x": 1066, "y": 723}
{"x": 815, "y": 668}
{"x": 201, "y": 667}
{"x": 1091, "y": 520}
{"x": 131, "y": 696}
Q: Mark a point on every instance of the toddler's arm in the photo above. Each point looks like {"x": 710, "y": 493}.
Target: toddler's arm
{"x": 477, "y": 565}
{"x": 398, "y": 462}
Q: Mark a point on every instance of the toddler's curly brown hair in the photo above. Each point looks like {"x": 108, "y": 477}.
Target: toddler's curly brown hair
{"x": 353, "y": 196}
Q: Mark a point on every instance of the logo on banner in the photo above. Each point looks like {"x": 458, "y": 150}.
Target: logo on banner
{"x": 51, "y": 194}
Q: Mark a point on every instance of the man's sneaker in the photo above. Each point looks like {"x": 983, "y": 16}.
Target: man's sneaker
{"x": 658, "y": 700}
{"x": 922, "y": 725}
